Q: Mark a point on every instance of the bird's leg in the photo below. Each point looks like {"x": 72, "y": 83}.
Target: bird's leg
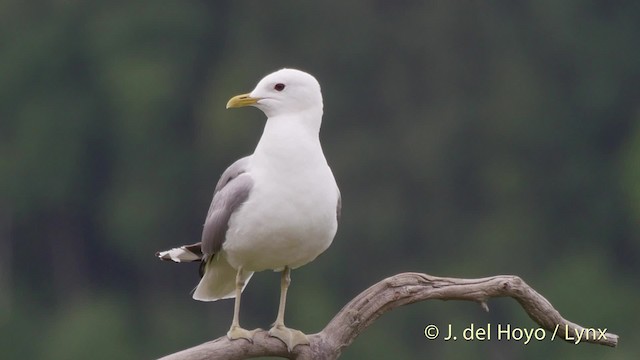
{"x": 285, "y": 281}
{"x": 290, "y": 337}
{"x": 236, "y": 332}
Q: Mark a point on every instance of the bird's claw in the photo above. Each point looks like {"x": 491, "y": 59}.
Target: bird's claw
{"x": 236, "y": 332}
{"x": 289, "y": 337}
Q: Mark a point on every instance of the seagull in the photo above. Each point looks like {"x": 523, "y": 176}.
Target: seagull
{"x": 276, "y": 209}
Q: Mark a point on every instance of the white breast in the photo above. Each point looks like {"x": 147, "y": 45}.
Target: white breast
{"x": 290, "y": 216}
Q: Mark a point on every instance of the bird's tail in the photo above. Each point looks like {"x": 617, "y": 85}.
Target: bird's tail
{"x": 218, "y": 279}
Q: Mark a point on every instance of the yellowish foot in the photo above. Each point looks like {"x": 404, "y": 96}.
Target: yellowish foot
{"x": 289, "y": 337}
{"x": 236, "y": 332}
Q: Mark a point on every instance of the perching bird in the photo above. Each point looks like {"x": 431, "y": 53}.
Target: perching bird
{"x": 276, "y": 209}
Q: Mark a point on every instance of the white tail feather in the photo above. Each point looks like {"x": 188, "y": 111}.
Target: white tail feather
{"x": 218, "y": 281}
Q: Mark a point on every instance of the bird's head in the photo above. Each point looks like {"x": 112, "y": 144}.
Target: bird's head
{"x": 282, "y": 92}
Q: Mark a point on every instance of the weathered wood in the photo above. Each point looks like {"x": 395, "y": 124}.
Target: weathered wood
{"x": 386, "y": 295}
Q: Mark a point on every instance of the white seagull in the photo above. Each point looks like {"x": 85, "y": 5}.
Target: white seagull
{"x": 276, "y": 209}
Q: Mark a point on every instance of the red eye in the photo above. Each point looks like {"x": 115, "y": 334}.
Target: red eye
{"x": 279, "y": 86}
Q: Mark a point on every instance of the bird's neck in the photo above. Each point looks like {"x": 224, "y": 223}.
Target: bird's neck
{"x": 291, "y": 140}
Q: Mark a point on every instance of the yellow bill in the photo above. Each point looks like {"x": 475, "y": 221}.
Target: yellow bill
{"x": 241, "y": 101}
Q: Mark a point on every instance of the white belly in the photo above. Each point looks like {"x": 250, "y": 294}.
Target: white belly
{"x": 279, "y": 227}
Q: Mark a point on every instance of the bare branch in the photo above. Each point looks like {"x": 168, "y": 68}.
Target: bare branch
{"x": 386, "y": 295}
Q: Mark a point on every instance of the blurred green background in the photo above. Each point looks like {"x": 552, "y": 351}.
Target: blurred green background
{"x": 468, "y": 139}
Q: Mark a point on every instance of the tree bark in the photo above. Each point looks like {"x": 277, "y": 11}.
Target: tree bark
{"x": 386, "y": 295}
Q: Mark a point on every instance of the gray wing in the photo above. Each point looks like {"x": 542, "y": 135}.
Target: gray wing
{"x": 232, "y": 190}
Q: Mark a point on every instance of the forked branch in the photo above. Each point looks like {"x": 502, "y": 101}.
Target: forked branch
{"x": 388, "y": 294}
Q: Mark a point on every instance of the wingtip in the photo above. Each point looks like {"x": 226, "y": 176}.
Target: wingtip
{"x": 165, "y": 256}
{"x": 179, "y": 255}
